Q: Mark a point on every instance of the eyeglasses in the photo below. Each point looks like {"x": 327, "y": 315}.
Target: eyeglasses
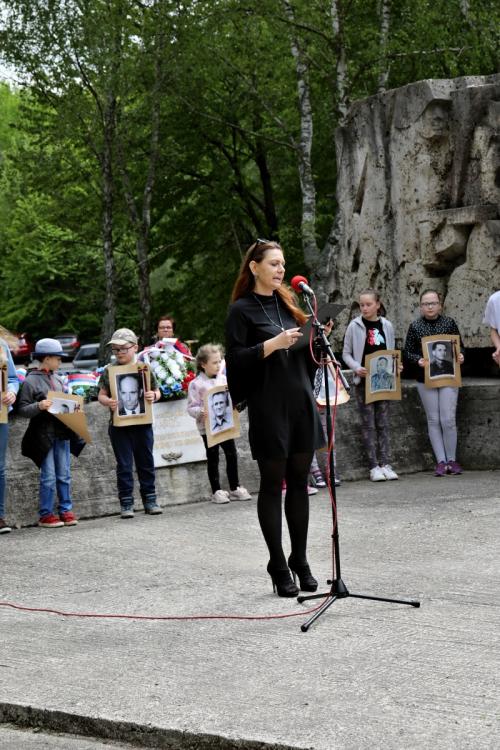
{"x": 429, "y": 304}
{"x": 121, "y": 349}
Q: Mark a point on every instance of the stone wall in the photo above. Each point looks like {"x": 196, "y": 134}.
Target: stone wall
{"x": 418, "y": 192}
{"x": 94, "y": 485}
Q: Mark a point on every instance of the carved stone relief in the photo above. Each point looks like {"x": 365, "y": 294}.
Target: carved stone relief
{"x": 419, "y": 199}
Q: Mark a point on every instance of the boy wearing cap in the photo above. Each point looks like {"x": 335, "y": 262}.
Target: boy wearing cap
{"x": 47, "y": 441}
{"x": 134, "y": 442}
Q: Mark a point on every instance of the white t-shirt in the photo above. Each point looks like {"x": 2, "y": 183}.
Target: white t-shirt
{"x": 492, "y": 311}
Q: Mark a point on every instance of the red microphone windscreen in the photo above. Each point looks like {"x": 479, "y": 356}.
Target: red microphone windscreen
{"x": 298, "y": 280}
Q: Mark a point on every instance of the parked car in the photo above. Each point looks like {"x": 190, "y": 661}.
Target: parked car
{"x": 69, "y": 342}
{"x": 21, "y": 352}
{"x": 86, "y": 359}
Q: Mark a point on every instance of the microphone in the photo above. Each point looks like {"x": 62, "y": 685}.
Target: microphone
{"x": 300, "y": 285}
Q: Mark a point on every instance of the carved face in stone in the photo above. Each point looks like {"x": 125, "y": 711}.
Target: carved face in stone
{"x": 435, "y": 121}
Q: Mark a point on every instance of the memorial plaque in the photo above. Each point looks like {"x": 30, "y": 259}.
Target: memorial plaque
{"x": 177, "y": 440}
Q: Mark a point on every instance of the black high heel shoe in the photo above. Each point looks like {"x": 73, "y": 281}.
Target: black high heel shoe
{"x": 306, "y": 579}
{"x": 282, "y": 581}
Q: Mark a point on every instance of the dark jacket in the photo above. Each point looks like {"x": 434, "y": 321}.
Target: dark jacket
{"x": 43, "y": 428}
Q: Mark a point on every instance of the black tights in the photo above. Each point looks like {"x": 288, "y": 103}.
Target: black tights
{"x": 295, "y": 469}
{"x": 229, "y": 448}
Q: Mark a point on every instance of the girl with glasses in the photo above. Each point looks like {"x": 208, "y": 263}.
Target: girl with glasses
{"x": 440, "y": 404}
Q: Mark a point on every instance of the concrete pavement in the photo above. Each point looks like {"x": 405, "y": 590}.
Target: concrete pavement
{"x": 366, "y": 676}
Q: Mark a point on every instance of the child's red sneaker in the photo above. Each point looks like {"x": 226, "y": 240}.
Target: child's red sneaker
{"x": 50, "y": 521}
{"x": 68, "y": 518}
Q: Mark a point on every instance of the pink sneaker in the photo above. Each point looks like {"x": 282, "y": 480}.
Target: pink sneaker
{"x": 454, "y": 468}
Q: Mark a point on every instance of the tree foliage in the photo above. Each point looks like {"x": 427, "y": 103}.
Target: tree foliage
{"x": 152, "y": 140}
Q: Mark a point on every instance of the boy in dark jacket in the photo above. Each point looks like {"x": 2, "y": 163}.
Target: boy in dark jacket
{"x": 47, "y": 439}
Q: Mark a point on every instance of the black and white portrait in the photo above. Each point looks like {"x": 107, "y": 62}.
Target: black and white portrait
{"x": 130, "y": 391}
{"x": 441, "y": 361}
{"x": 63, "y": 406}
{"x": 382, "y": 374}
{"x": 220, "y": 412}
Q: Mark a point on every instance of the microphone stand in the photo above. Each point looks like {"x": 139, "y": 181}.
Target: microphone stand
{"x": 338, "y": 589}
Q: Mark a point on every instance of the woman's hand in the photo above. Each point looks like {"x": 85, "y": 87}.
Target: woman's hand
{"x": 45, "y": 404}
{"x": 362, "y": 372}
{"x": 461, "y": 359}
{"x": 422, "y": 362}
{"x": 286, "y": 339}
{"x": 8, "y": 398}
{"x": 328, "y": 327}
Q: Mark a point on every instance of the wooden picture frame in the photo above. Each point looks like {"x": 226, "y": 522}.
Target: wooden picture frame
{"x": 383, "y": 379}
{"x": 336, "y": 395}
{"x": 442, "y": 367}
{"x": 222, "y": 421}
{"x": 128, "y": 384}
{"x": 4, "y": 381}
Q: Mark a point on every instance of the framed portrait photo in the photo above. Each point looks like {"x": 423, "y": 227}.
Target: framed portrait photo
{"x": 383, "y": 380}
{"x": 128, "y": 384}
{"x": 222, "y": 421}
{"x": 69, "y": 409}
{"x": 442, "y": 367}
{"x": 4, "y": 409}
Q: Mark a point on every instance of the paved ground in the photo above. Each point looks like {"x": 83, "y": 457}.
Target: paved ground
{"x": 366, "y": 676}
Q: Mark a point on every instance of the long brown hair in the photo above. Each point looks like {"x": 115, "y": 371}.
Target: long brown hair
{"x": 245, "y": 283}
{"x": 376, "y": 296}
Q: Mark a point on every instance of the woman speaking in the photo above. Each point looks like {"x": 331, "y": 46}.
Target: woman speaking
{"x": 275, "y": 379}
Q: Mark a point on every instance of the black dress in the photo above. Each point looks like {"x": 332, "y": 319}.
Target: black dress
{"x": 282, "y": 413}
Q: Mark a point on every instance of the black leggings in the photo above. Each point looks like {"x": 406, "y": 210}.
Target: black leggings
{"x": 229, "y": 448}
{"x": 295, "y": 470}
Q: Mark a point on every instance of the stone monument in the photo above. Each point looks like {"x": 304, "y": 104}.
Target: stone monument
{"x": 419, "y": 201}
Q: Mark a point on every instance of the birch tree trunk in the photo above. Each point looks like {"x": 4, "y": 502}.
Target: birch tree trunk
{"x": 109, "y": 317}
{"x": 341, "y": 77}
{"x": 140, "y": 216}
{"x": 304, "y": 148}
{"x": 385, "y": 19}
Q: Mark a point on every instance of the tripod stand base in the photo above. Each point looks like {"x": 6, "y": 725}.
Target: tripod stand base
{"x": 339, "y": 590}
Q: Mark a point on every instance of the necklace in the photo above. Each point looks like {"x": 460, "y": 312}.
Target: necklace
{"x": 280, "y": 326}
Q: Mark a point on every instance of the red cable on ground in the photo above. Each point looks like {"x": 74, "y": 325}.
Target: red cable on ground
{"x": 97, "y": 615}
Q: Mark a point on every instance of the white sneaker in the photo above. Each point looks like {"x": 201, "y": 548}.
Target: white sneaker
{"x": 389, "y": 472}
{"x": 240, "y": 493}
{"x": 312, "y": 490}
{"x": 377, "y": 474}
{"x": 219, "y": 497}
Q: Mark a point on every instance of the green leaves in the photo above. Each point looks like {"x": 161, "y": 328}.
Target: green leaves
{"x": 216, "y": 82}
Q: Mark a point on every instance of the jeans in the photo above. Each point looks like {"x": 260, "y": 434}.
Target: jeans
{"x": 4, "y": 434}
{"x": 374, "y": 427}
{"x": 134, "y": 444}
{"x": 55, "y": 479}
{"x": 440, "y": 406}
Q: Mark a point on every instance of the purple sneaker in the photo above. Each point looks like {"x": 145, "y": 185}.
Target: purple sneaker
{"x": 454, "y": 467}
{"x": 440, "y": 470}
